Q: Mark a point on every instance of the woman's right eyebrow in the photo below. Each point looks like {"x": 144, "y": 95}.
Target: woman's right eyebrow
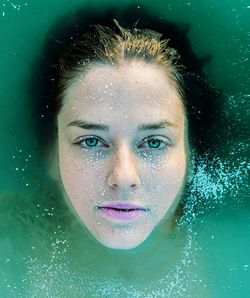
{"x": 89, "y": 125}
{"x": 102, "y": 127}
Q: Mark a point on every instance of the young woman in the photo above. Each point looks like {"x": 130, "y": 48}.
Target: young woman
{"x": 127, "y": 111}
{"x": 125, "y": 124}
{"x": 130, "y": 111}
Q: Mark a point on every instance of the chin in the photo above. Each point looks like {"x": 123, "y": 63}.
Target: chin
{"x": 123, "y": 243}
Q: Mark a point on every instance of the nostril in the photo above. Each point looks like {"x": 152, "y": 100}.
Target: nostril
{"x": 115, "y": 185}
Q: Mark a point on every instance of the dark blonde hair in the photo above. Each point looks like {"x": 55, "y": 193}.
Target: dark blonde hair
{"x": 166, "y": 45}
{"x": 113, "y": 47}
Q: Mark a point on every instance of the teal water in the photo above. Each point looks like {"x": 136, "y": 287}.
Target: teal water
{"x": 44, "y": 252}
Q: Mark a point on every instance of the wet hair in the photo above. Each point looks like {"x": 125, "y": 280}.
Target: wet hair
{"x": 114, "y": 47}
{"x": 106, "y": 41}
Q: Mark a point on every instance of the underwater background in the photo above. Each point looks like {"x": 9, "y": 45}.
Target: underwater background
{"x": 214, "y": 258}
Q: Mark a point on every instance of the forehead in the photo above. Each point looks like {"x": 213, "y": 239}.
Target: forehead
{"x": 126, "y": 89}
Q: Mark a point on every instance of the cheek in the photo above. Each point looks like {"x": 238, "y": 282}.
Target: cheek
{"x": 71, "y": 175}
{"x": 79, "y": 178}
{"x": 167, "y": 181}
{"x": 83, "y": 179}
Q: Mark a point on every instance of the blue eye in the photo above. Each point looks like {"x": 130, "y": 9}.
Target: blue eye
{"x": 89, "y": 142}
{"x": 154, "y": 143}
{"x": 92, "y": 142}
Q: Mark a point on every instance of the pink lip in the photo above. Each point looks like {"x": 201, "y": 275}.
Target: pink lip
{"x": 121, "y": 210}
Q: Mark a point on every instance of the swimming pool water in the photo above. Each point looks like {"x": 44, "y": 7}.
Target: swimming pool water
{"x": 45, "y": 252}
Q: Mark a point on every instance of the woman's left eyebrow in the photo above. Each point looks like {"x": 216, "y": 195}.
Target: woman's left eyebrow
{"x": 157, "y": 125}
{"x": 142, "y": 127}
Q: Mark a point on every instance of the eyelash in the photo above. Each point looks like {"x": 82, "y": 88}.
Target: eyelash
{"x": 81, "y": 140}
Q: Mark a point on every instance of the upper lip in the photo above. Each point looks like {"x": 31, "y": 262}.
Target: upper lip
{"x": 122, "y": 205}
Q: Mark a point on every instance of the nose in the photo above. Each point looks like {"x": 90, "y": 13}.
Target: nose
{"x": 123, "y": 175}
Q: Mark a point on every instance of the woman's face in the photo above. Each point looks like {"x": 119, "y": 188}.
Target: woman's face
{"x": 122, "y": 150}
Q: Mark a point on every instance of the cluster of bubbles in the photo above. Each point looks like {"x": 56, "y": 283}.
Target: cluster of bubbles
{"x": 21, "y": 164}
{"x": 56, "y": 280}
{"x": 16, "y": 5}
{"x": 215, "y": 182}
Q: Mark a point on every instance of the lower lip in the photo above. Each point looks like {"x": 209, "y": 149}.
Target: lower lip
{"x": 120, "y": 214}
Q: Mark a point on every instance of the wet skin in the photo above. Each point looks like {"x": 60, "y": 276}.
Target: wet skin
{"x": 126, "y": 164}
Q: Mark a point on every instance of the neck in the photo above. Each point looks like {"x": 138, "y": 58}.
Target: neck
{"x": 153, "y": 256}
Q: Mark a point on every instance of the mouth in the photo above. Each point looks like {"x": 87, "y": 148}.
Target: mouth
{"x": 123, "y": 211}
